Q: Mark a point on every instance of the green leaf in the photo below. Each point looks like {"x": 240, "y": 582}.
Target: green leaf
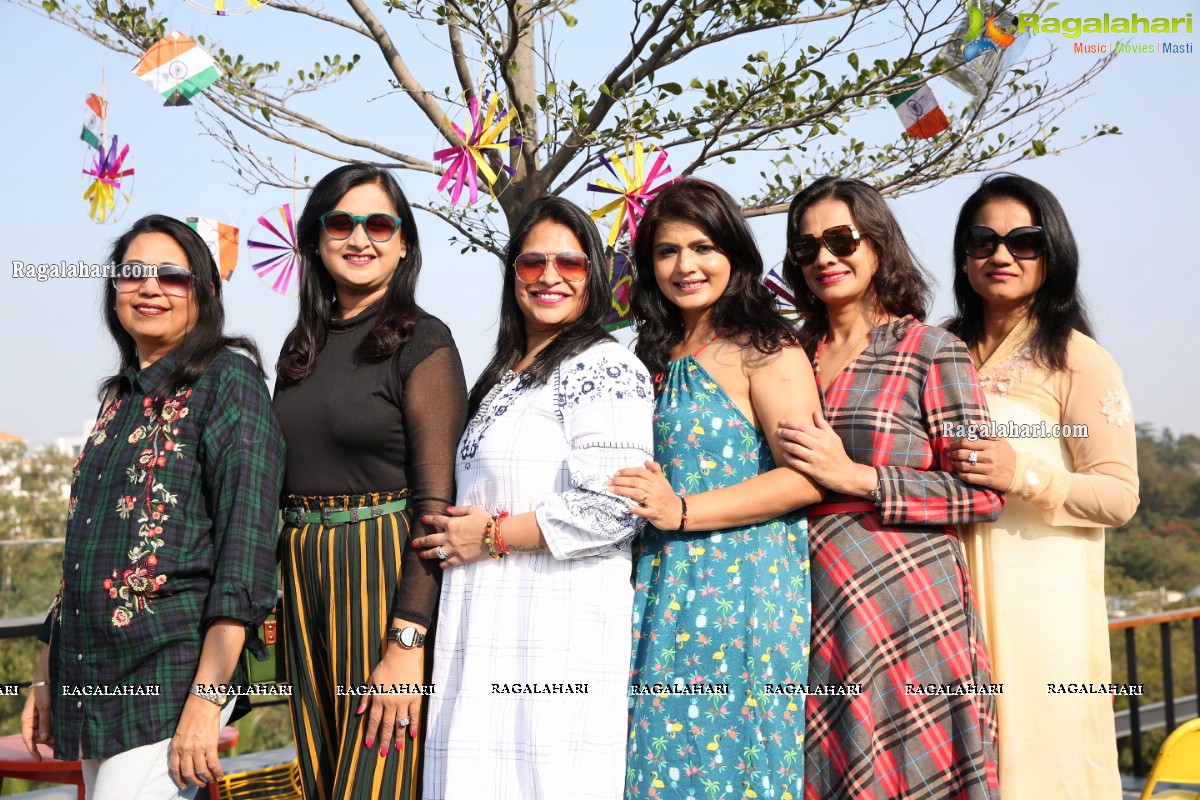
{"x": 568, "y": 19}
{"x": 671, "y": 88}
{"x": 1039, "y": 147}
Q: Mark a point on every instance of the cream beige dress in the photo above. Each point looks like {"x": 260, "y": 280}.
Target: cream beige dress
{"x": 1038, "y": 570}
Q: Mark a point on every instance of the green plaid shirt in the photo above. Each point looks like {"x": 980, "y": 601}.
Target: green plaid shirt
{"x": 172, "y": 525}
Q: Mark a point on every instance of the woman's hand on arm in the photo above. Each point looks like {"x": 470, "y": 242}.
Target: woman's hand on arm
{"x": 36, "y": 719}
{"x": 393, "y": 708}
{"x": 994, "y": 465}
{"x": 194, "y": 759}
{"x": 813, "y": 448}
{"x": 460, "y": 535}
{"x": 653, "y": 498}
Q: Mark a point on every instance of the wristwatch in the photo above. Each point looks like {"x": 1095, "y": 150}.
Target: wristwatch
{"x": 408, "y": 637}
{"x": 214, "y": 697}
{"x": 876, "y": 494}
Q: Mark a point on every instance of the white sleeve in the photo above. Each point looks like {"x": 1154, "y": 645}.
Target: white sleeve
{"x": 605, "y": 398}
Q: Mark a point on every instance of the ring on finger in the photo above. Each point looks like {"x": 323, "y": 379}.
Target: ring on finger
{"x": 443, "y": 555}
{"x": 973, "y": 458}
{"x": 403, "y": 721}
{"x": 645, "y": 497}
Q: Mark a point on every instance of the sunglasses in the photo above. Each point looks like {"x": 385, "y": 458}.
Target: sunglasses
{"x": 841, "y": 240}
{"x": 173, "y": 280}
{"x": 572, "y": 266}
{"x": 1022, "y": 243}
{"x": 340, "y": 225}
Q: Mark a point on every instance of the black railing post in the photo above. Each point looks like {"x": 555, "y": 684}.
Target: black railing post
{"x": 1135, "y": 722}
{"x": 1164, "y": 630}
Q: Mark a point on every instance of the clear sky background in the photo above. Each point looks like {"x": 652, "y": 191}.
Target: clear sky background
{"x": 1131, "y": 199}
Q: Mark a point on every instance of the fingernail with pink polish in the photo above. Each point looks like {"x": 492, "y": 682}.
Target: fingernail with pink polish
{"x": 370, "y": 743}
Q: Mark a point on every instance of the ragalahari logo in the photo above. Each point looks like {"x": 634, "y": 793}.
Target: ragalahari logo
{"x": 983, "y": 36}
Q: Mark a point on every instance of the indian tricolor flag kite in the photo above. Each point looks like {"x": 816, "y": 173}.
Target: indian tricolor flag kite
{"x": 221, "y": 239}
{"x": 93, "y": 121}
{"x": 177, "y": 68}
{"x": 919, "y": 111}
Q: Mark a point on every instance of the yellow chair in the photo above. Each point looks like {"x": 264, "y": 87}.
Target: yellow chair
{"x": 1178, "y": 762}
{"x": 272, "y": 783}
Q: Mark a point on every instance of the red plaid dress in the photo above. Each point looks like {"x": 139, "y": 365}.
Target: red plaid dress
{"x": 892, "y": 608}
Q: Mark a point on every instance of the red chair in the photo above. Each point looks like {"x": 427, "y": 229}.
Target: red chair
{"x": 15, "y": 761}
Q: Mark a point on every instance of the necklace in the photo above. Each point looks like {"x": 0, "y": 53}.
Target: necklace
{"x": 849, "y": 356}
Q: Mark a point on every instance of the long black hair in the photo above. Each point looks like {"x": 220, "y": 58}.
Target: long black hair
{"x": 745, "y": 307}
{"x": 1057, "y": 306}
{"x": 205, "y": 341}
{"x": 901, "y": 284}
{"x": 399, "y": 311}
{"x": 576, "y": 336}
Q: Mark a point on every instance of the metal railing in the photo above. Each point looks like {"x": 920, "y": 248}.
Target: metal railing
{"x": 1139, "y": 719}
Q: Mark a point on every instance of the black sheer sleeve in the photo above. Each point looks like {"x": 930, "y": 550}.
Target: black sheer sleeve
{"x": 434, "y": 406}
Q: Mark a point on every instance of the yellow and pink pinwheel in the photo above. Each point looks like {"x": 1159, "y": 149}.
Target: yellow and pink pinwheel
{"x": 465, "y": 163}
{"x": 110, "y": 186}
{"x": 636, "y": 186}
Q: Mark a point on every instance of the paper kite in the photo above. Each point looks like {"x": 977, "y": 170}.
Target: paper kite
{"x": 919, "y": 111}
{"x": 484, "y": 125}
{"x": 273, "y": 252}
{"x": 620, "y": 281}
{"x": 637, "y": 188}
{"x": 221, "y": 239}
{"x": 93, "y": 121}
{"x": 107, "y": 178}
{"x": 177, "y": 68}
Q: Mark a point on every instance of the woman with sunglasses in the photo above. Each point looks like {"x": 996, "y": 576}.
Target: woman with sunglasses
{"x": 169, "y": 561}
{"x": 722, "y": 603}
{"x": 893, "y": 614}
{"x": 532, "y": 655}
{"x": 371, "y": 398}
{"x": 1064, "y": 448}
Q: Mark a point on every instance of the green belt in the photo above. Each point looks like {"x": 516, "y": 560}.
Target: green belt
{"x": 339, "y": 516}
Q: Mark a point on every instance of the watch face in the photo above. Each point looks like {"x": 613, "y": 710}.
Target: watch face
{"x": 408, "y": 637}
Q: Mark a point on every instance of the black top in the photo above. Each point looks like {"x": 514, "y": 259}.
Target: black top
{"x": 360, "y": 428}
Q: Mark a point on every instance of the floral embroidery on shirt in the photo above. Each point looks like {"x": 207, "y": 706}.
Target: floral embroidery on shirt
{"x": 134, "y": 588}
{"x": 1116, "y": 407}
{"x": 97, "y": 436}
{"x": 1000, "y": 378}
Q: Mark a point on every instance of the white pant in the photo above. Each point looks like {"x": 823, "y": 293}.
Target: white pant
{"x": 143, "y": 773}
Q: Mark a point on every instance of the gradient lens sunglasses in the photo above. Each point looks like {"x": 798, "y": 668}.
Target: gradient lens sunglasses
{"x": 340, "y": 225}
{"x": 1023, "y": 243}
{"x": 841, "y": 240}
{"x": 172, "y": 279}
{"x": 572, "y": 266}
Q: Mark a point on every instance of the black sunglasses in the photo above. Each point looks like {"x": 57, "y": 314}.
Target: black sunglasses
{"x": 1023, "y": 243}
{"x": 841, "y": 240}
{"x": 172, "y": 279}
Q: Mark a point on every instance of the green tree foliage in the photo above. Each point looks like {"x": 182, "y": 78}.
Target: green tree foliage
{"x": 808, "y": 69}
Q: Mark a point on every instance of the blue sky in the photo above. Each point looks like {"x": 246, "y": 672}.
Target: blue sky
{"x": 1130, "y": 198}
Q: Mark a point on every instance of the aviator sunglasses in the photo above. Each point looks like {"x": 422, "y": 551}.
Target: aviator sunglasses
{"x": 340, "y": 225}
{"x": 1023, "y": 243}
{"x": 172, "y": 279}
{"x": 841, "y": 240}
{"x": 572, "y": 265}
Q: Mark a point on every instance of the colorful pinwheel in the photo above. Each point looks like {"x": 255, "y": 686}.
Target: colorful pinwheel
{"x": 227, "y": 8}
{"x": 272, "y": 245}
{"x": 620, "y": 281}
{"x": 637, "y": 188}
{"x": 106, "y": 169}
{"x": 467, "y": 161}
{"x": 786, "y": 303}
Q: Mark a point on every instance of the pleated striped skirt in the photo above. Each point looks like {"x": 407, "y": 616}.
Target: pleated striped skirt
{"x": 338, "y": 584}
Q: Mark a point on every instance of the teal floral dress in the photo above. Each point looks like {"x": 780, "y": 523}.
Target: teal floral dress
{"x": 720, "y": 620}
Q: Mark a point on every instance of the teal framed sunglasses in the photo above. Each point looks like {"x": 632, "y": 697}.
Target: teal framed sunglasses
{"x": 340, "y": 225}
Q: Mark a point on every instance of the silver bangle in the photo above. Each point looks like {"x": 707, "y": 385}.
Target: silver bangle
{"x": 36, "y": 684}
